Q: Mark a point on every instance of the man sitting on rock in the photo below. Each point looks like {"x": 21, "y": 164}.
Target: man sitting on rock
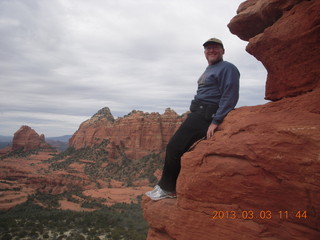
{"x": 217, "y": 95}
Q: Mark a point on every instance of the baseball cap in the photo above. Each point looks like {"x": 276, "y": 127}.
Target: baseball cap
{"x": 213, "y": 40}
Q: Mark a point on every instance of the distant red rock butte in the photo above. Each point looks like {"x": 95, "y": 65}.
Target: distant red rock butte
{"x": 139, "y": 133}
{"x": 27, "y": 139}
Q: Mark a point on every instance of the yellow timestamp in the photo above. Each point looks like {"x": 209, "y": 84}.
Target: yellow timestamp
{"x": 263, "y": 214}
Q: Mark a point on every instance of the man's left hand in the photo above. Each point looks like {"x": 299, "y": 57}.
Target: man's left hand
{"x": 212, "y": 128}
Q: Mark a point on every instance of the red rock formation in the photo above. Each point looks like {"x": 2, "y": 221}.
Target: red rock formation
{"x": 258, "y": 176}
{"x": 284, "y": 36}
{"x": 139, "y": 133}
{"x": 93, "y": 131}
{"x": 27, "y": 139}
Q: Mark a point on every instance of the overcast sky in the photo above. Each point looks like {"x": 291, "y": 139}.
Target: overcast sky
{"x": 63, "y": 60}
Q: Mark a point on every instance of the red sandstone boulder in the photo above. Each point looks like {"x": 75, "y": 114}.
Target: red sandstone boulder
{"x": 27, "y": 139}
{"x": 284, "y": 36}
{"x": 254, "y": 16}
{"x": 262, "y": 164}
{"x": 258, "y": 176}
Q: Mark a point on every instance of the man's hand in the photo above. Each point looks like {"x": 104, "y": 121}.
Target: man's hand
{"x": 212, "y": 128}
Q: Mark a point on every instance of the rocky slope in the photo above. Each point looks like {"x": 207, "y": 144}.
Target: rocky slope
{"x": 258, "y": 176}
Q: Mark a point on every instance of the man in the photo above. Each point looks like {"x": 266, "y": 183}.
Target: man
{"x": 217, "y": 95}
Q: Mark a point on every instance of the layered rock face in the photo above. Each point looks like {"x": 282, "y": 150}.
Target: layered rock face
{"x": 138, "y": 133}
{"x": 284, "y": 36}
{"x": 92, "y": 131}
{"x": 27, "y": 139}
{"x": 258, "y": 176}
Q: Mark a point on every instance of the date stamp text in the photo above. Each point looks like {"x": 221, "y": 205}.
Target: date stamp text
{"x": 263, "y": 214}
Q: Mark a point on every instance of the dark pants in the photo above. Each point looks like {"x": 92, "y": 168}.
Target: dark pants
{"x": 191, "y": 130}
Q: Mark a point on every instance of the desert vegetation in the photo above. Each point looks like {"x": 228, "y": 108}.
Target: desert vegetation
{"x": 123, "y": 169}
{"x": 41, "y": 217}
{"x": 30, "y": 221}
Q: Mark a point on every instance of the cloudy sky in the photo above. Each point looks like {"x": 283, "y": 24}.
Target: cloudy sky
{"x": 63, "y": 60}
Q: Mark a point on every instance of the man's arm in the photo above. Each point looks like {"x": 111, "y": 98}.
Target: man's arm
{"x": 229, "y": 89}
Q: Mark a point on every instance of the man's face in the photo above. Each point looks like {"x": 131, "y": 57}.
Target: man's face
{"x": 213, "y": 53}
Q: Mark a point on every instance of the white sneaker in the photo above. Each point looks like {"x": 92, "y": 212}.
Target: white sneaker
{"x": 157, "y": 193}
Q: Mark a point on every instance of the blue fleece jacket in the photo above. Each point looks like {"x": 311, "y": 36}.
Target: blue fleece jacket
{"x": 219, "y": 84}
